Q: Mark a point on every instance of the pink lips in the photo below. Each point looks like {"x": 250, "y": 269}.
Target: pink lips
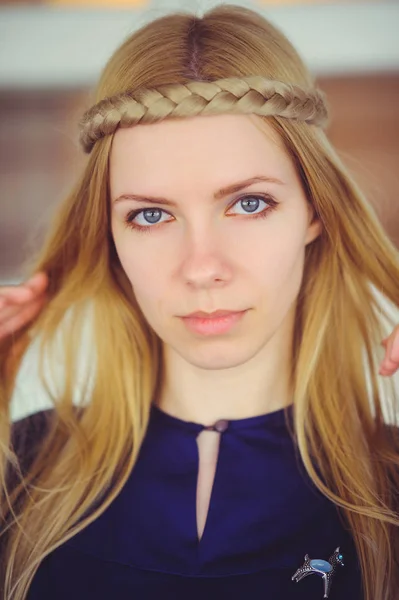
{"x": 212, "y": 315}
{"x": 212, "y": 323}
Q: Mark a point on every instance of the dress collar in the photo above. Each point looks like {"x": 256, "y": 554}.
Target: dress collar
{"x": 273, "y": 418}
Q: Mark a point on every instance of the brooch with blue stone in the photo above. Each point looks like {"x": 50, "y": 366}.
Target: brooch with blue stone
{"x": 324, "y": 568}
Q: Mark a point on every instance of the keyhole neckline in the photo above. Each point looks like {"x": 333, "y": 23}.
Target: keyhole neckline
{"x": 272, "y": 418}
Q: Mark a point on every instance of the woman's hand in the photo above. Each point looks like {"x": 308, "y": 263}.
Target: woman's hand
{"x": 390, "y": 363}
{"x": 19, "y": 304}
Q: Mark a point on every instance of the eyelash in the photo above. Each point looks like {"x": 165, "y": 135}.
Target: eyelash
{"x": 272, "y": 205}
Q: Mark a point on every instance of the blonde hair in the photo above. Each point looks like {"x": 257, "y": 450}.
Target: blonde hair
{"x": 87, "y": 455}
{"x": 234, "y": 95}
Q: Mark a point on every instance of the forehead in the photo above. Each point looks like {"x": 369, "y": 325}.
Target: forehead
{"x": 196, "y": 150}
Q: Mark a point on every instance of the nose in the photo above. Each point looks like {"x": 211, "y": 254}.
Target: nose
{"x": 205, "y": 263}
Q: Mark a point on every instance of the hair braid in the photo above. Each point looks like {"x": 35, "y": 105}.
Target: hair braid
{"x": 245, "y": 95}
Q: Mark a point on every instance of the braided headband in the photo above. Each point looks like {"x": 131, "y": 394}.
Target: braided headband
{"x": 244, "y": 95}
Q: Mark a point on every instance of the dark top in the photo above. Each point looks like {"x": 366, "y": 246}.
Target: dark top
{"x": 264, "y": 516}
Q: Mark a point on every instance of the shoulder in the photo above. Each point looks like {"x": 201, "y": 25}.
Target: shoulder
{"x": 390, "y": 434}
{"x": 31, "y": 428}
{"x": 27, "y": 435}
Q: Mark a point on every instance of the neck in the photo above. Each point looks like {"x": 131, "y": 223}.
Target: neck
{"x": 258, "y": 386}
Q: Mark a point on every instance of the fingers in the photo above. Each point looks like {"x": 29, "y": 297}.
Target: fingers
{"x": 19, "y": 304}
{"x": 17, "y": 317}
{"x": 25, "y": 292}
{"x": 390, "y": 363}
{"x": 38, "y": 283}
{"x": 17, "y": 294}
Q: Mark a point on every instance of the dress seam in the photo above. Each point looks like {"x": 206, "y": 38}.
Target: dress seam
{"x": 173, "y": 573}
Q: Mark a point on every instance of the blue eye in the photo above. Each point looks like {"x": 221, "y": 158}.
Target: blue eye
{"x": 340, "y": 556}
{"x": 152, "y": 215}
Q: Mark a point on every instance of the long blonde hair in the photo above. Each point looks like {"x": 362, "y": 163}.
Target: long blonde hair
{"x": 87, "y": 455}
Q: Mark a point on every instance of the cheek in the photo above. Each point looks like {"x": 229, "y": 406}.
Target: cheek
{"x": 279, "y": 268}
{"x": 148, "y": 287}
{"x": 143, "y": 273}
{"x": 143, "y": 269}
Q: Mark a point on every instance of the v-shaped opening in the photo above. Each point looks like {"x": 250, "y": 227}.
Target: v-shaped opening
{"x": 208, "y": 443}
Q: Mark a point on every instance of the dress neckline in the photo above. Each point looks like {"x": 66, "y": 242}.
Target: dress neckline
{"x": 272, "y": 418}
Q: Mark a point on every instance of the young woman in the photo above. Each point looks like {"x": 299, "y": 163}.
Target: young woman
{"x": 241, "y": 453}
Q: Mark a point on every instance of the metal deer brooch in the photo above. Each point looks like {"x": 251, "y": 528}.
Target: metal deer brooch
{"x": 324, "y": 568}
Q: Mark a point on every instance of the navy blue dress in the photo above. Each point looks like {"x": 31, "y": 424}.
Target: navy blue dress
{"x": 264, "y": 516}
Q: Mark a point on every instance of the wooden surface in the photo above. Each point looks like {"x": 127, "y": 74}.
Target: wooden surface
{"x": 40, "y": 157}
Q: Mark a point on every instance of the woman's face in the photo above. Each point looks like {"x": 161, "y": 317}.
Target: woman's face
{"x": 210, "y": 234}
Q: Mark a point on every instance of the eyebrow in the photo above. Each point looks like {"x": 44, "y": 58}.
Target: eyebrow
{"x": 224, "y": 191}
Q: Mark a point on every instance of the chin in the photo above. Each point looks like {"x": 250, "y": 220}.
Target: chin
{"x": 214, "y": 359}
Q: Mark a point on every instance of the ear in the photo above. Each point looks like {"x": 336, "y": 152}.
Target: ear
{"x": 314, "y": 226}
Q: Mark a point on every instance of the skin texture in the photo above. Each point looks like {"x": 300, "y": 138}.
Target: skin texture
{"x": 207, "y": 255}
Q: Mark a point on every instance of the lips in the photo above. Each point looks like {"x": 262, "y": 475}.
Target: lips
{"x": 213, "y": 315}
{"x": 220, "y": 322}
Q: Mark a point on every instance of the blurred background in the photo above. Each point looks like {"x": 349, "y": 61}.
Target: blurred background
{"x": 51, "y": 53}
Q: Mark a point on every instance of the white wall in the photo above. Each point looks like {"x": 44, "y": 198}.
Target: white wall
{"x": 67, "y": 47}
